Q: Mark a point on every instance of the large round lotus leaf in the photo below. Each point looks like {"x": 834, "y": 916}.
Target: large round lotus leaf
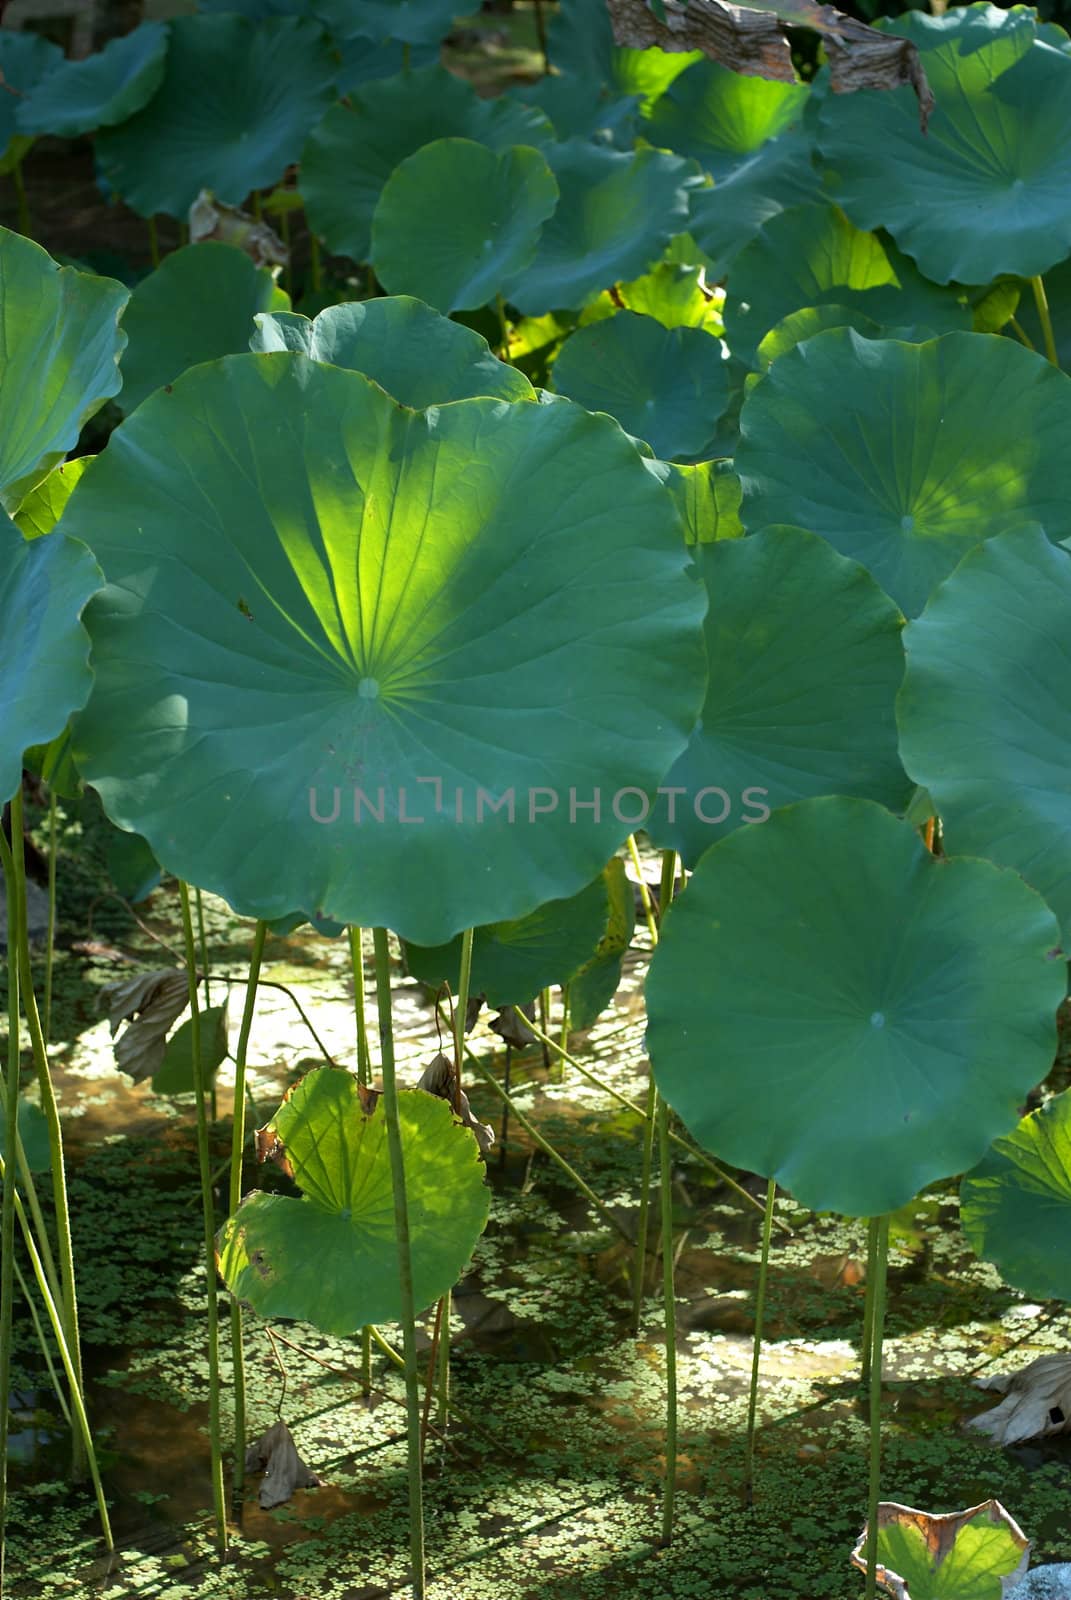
{"x": 707, "y": 496}
{"x": 235, "y": 105}
{"x": 331, "y": 1258}
{"x": 26, "y": 60}
{"x": 199, "y": 304}
{"x": 580, "y": 41}
{"x": 411, "y": 21}
{"x": 61, "y": 345}
{"x": 902, "y": 455}
{"x": 719, "y": 117}
{"x": 513, "y": 961}
{"x": 758, "y": 186}
{"x": 457, "y": 222}
{"x": 800, "y": 325}
{"x": 616, "y": 215}
{"x": 985, "y": 189}
{"x": 985, "y": 711}
{"x": 44, "y": 586}
{"x": 675, "y": 295}
{"x": 812, "y": 256}
{"x": 419, "y": 357}
{"x": 82, "y": 96}
{"x": 364, "y": 60}
{"x": 832, "y": 1006}
{"x": 349, "y": 157}
{"x": 577, "y": 111}
{"x": 317, "y": 596}
{"x": 805, "y": 660}
{"x": 1015, "y": 1206}
{"x": 667, "y": 386}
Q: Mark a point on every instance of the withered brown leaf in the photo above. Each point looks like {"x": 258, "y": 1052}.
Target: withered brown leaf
{"x": 148, "y": 1003}
{"x": 276, "y": 1455}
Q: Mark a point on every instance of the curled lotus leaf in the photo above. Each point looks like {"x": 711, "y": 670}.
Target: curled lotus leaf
{"x": 330, "y": 1258}
{"x": 977, "y": 1554}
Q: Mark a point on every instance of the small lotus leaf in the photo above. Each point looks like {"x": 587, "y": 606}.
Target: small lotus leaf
{"x": 719, "y": 117}
{"x": 901, "y": 454}
{"x": 420, "y": 357}
{"x": 812, "y": 256}
{"x": 726, "y": 217}
{"x": 832, "y": 1006}
{"x": 800, "y": 325}
{"x": 1016, "y": 1205}
{"x": 82, "y": 96}
{"x": 985, "y": 709}
{"x": 44, "y": 586}
{"x": 350, "y": 155}
{"x": 984, "y": 189}
{"x": 61, "y": 345}
{"x": 580, "y": 41}
{"x": 667, "y": 386}
{"x": 236, "y": 102}
{"x": 456, "y": 222}
{"x": 331, "y": 1258}
{"x": 43, "y": 506}
{"x": 200, "y": 303}
{"x": 381, "y": 608}
{"x": 26, "y": 60}
{"x": 576, "y": 111}
{"x": 513, "y": 961}
{"x": 673, "y": 294}
{"x": 616, "y": 215}
{"x": 977, "y": 1554}
{"x": 707, "y": 496}
{"x": 804, "y": 660}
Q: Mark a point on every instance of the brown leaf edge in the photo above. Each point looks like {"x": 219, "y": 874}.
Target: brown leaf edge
{"x": 939, "y": 1532}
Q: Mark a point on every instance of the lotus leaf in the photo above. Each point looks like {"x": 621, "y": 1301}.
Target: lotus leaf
{"x": 726, "y": 217}
{"x": 707, "y": 496}
{"x": 82, "y": 96}
{"x": 901, "y": 454}
{"x": 580, "y": 41}
{"x": 331, "y": 1258}
{"x": 43, "y": 506}
{"x": 376, "y": 616}
{"x": 889, "y": 1008}
{"x": 978, "y": 1554}
{"x": 719, "y": 117}
{"x": 26, "y": 60}
{"x": 673, "y": 294}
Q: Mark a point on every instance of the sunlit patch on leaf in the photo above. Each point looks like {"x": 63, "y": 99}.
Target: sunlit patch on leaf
{"x": 975, "y": 1554}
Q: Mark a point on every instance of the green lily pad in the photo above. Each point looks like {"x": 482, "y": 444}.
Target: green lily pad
{"x": 707, "y": 495}
{"x": 594, "y": 986}
{"x": 719, "y": 117}
{"x": 350, "y": 155}
{"x": 26, "y": 60}
{"x": 373, "y": 602}
{"x": 33, "y": 1133}
{"x": 672, "y": 293}
{"x": 135, "y": 873}
{"x": 61, "y": 344}
{"x": 457, "y": 222}
{"x": 992, "y": 648}
{"x": 805, "y": 661}
{"x": 800, "y": 325}
{"x": 726, "y": 217}
{"x": 331, "y": 1258}
{"x": 667, "y": 386}
{"x": 44, "y": 586}
{"x": 419, "y": 357}
{"x": 236, "y": 102}
{"x": 580, "y": 41}
{"x": 175, "y": 1075}
{"x": 200, "y": 303}
{"x": 43, "y": 506}
{"x": 365, "y": 60}
{"x": 901, "y": 455}
{"x": 513, "y": 961}
{"x": 977, "y": 1554}
{"x": 1015, "y": 1206}
{"x": 984, "y": 189}
{"x": 577, "y": 111}
{"x": 82, "y": 96}
{"x": 812, "y": 256}
{"x": 616, "y": 215}
{"x": 832, "y": 1006}
{"x": 410, "y": 21}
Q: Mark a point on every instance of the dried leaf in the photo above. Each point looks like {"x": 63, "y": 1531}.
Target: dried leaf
{"x": 209, "y": 218}
{"x": 438, "y": 1079}
{"x": 753, "y": 40}
{"x": 149, "y": 1004}
{"x": 945, "y": 1555}
{"x": 509, "y": 1025}
{"x": 1037, "y": 1402}
{"x": 275, "y": 1454}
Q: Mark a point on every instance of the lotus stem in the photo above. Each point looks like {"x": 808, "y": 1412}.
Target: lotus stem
{"x": 756, "y": 1348}
{"x": 876, "y": 1291}
{"x": 364, "y": 1077}
{"x": 503, "y": 323}
{"x": 1020, "y": 333}
{"x": 54, "y": 1377}
{"x": 315, "y": 264}
{"x": 1041, "y": 300}
{"x": 405, "y": 1265}
{"x": 154, "y": 242}
{"x": 7, "y": 1209}
{"x": 235, "y": 1191}
{"x": 669, "y": 1304}
{"x": 541, "y": 34}
{"x": 461, "y": 1009}
{"x": 50, "y": 949}
{"x": 669, "y": 872}
{"x": 208, "y": 1208}
{"x": 50, "y": 1108}
{"x": 25, "y": 224}
{"x": 868, "y": 1304}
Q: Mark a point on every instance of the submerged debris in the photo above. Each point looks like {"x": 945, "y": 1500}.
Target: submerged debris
{"x": 1037, "y": 1402}
{"x": 276, "y": 1455}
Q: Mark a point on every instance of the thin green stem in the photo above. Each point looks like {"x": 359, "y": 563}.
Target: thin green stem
{"x": 541, "y": 33}
{"x": 50, "y": 949}
{"x": 461, "y": 1008}
{"x": 208, "y": 1209}
{"x": 316, "y": 270}
{"x": 868, "y": 1304}
{"x": 234, "y": 1196}
{"x": 1041, "y": 300}
{"x": 669, "y": 1304}
{"x": 1020, "y": 332}
{"x": 756, "y": 1347}
{"x": 42, "y": 1341}
{"x": 154, "y": 242}
{"x": 25, "y": 224}
{"x": 49, "y": 1106}
{"x": 7, "y": 1208}
{"x": 202, "y": 942}
{"x": 645, "y": 893}
{"x": 876, "y": 1289}
{"x": 364, "y": 1077}
{"x": 639, "y": 1266}
{"x": 503, "y": 323}
{"x": 284, "y": 231}
{"x": 405, "y": 1265}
